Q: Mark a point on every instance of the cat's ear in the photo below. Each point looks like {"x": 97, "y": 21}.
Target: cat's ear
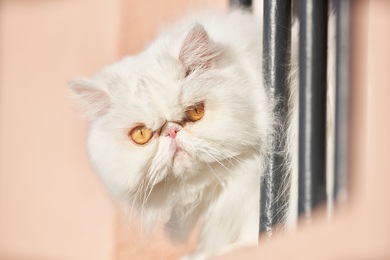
{"x": 196, "y": 50}
{"x": 94, "y": 100}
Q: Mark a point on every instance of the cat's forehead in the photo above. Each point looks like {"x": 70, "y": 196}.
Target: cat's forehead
{"x": 159, "y": 77}
{"x": 148, "y": 90}
{"x": 143, "y": 73}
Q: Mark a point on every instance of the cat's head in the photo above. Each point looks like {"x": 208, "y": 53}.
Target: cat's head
{"x": 176, "y": 111}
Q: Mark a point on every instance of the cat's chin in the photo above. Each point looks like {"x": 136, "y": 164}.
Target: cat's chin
{"x": 184, "y": 166}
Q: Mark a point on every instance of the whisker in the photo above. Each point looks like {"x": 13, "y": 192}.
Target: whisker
{"x": 218, "y": 161}
{"x": 212, "y": 170}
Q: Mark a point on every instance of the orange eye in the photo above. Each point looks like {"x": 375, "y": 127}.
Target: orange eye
{"x": 195, "y": 112}
{"x": 141, "y": 134}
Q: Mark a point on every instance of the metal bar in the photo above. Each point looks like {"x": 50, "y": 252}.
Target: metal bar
{"x": 312, "y": 104}
{"x": 241, "y": 3}
{"x": 342, "y": 100}
{"x": 276, "y": 57}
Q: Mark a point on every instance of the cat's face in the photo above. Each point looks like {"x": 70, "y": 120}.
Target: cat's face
{"x": 169, "y": 116}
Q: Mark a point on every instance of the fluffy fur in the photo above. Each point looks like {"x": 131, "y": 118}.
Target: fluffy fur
{"x": 210, "y": 171}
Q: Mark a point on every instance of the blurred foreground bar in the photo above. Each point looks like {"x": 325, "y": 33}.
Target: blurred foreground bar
{"x": 342, "y": 100}
{"x": 241, "y": 3}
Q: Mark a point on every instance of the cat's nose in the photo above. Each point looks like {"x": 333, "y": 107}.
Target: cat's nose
{"x": 172, "y": 129}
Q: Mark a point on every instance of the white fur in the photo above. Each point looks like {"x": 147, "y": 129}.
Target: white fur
{"x": 217, "y": 179}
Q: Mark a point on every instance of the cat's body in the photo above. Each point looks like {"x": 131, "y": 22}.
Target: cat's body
{"x": 192, "y": 170}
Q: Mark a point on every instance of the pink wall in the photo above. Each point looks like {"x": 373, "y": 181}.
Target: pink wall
{"x": 51, "y": 204}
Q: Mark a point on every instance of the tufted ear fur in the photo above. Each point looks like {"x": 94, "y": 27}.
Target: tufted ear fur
{"x": 196, "y": 51}
{"x": 93, "y": 99}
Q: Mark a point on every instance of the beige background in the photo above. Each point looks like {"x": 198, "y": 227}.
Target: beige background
{"x": 51, "y": 204}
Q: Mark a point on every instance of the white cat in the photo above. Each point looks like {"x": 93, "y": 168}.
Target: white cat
{"x": 180, "y": 132}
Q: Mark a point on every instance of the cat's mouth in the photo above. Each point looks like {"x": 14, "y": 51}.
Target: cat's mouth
{"x": 178, "y": 151}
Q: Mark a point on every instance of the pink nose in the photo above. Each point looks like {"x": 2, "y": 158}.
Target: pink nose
{"x": 172, "y": 131}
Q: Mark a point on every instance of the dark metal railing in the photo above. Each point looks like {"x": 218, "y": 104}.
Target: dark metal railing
{"x": 312, "y": 103}
{"x": 276, "y": 60}
{"x": 313, "y": 58}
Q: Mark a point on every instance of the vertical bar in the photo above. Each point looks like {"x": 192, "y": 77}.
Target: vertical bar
{"x": 312, "y": 104}
{"x": 342, "y": 100}
{"x": 276, "y": 44}
{"x": 241, "y": 3}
